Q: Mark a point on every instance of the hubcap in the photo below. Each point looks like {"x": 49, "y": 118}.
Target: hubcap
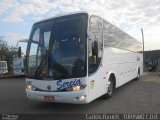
{"x": 110, "y": 87}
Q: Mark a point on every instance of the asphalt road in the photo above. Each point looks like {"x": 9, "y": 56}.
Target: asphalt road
{"x": 141, "y": 96}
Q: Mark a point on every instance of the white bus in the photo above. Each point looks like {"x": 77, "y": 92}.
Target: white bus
{"x": 79, "y": 57}
{"x": 3, "y": 67}
{"x": 19, "y": 59}
{"x": 18, "y": 66}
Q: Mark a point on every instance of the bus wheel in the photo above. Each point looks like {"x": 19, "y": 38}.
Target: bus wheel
{"x": 110, "y": 87}
{"x": 138, "y": 75}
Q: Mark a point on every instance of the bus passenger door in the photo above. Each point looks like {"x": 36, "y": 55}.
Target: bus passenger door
{"x": 95, "y": 53}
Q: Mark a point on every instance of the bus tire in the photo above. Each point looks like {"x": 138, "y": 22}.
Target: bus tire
{"x": 138, "y": 75}
{"x": 110, "y": 88}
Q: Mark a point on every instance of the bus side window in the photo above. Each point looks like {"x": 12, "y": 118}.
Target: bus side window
{"x": 95, "y": 46}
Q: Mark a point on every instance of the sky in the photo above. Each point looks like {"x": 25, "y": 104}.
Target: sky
{"x": 18, "y": 16}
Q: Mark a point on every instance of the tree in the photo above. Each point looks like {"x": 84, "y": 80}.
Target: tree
{"x": 7, "y": 52}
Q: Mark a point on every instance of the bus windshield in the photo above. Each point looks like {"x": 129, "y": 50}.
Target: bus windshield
{"x": 57, "y": 48}
{"x": 17, "y": 62}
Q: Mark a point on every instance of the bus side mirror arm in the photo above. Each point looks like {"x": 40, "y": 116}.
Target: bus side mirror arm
{"x": 22, "y": 40}
{"x": 19, "y": 52}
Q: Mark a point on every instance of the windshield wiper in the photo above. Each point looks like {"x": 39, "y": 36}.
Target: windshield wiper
{"x": 41, "y": 65}
{"x": 59, "y": 68}
{"x": 47, "y": 58}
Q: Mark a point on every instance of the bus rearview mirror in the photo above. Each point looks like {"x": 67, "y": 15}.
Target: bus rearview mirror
{"x": 19, "y": 52}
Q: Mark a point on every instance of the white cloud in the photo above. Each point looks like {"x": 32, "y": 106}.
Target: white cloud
{"x": 13, "y": 38}
{"x": 13, "y": 18}
{"x": 143, "y": 11}
{"x": 129, "y": 15}
{"x": 7, "y": 4}
{"x": 24, "y": 8}
{"x": 152, "y": 38}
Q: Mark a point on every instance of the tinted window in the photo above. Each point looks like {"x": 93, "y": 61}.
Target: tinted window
{"x": 95, "y": 46}
{"x": 69, "y": 47}
{"x": 57, "y": 48}
{"x": 47, "y": 35}
{"x": 114, "y": 37}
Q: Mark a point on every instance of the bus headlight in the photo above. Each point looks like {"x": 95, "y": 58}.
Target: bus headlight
{"x": 82, "y": 98}
{"x": 76, "y": 88}
{"x": 30, "y": 87}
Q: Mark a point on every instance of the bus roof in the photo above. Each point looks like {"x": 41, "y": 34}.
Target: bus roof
{"x": 101, "y": 15}
{"x": 64, "y": 14}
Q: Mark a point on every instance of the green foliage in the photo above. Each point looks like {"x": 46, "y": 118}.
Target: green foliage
{"x": 7, "y": 52}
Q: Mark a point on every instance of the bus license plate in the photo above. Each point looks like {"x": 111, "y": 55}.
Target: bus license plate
{"x": 49, "y": 98}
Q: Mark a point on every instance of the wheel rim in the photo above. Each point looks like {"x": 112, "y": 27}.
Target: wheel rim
{"x": 110, "y": 87}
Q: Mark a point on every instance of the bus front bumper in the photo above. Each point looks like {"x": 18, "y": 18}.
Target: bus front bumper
{"x": 75, "y": 97}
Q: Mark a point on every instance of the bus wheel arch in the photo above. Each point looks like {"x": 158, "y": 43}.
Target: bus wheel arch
{"x": 111, "y": 85}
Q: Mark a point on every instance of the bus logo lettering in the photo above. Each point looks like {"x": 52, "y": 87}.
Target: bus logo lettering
{"x": 61, "y": 85}
{"x": 49, "y": 87}
{"x": 138, "y": 58}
